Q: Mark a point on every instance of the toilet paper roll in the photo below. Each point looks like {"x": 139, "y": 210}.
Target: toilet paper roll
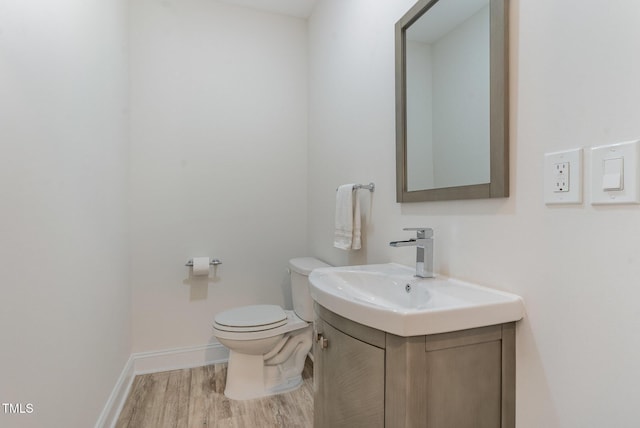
{"x": 201, "y": 266}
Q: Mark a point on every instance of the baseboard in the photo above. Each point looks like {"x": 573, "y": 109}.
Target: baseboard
{"x": 179, "y": 358}
{"x": 112, "y": 408}
{"x": 152, "y": 362}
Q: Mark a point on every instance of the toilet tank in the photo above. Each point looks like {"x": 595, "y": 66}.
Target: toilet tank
{"x": 300, "y": 269}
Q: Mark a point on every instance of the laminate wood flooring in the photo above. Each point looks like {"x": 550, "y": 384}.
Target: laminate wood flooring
{"x": 194, "y": 398}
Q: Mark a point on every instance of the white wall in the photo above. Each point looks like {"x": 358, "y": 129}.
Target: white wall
{"x": 65, "y": 299}
{"x": 219, "y": 162}
{"x": 419, "y": 135}
{"x": 461, "y": 103}
{"x": 447, "y": 100}
{"x": 574, "y": 82}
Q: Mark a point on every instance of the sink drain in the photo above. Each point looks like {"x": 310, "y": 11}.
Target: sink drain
{"x": 407, "y": 288}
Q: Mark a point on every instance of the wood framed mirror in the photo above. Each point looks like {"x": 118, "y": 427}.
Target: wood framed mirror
{"x": 452, "y": 101}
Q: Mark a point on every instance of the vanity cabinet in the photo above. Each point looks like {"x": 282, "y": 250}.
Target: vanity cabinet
{"x": 365, "y": 377}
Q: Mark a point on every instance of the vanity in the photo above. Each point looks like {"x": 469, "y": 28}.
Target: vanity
{"x": 393, "y": 350}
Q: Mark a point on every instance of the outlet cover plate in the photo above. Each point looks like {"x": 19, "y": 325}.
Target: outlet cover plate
{"x": 560, "y": 189}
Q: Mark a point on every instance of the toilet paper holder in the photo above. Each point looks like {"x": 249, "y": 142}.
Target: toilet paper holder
{"x": 213, "y": 262}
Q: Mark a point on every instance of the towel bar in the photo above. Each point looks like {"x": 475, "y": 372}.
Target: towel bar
{"x": 370, "y": 187}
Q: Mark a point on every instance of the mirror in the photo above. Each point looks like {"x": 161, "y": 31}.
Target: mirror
{"x": 452, "y": 101}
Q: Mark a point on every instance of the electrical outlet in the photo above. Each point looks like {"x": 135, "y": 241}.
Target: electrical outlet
{"x": 563, "y": 177}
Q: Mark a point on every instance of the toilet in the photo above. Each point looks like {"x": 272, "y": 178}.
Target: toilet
{"x": 267, "y": 344}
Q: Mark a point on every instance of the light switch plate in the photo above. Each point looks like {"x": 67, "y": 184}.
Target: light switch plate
{"x": 563, "y": 177}
{"x": 601, "y": 156}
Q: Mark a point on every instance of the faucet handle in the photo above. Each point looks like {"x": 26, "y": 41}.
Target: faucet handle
{"x": 423, "y": 232}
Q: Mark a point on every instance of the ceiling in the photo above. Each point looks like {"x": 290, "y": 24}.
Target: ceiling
{"x": 298, "y": 8}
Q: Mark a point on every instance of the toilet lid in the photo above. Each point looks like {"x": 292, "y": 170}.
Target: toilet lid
{"x": 251, "y": 318}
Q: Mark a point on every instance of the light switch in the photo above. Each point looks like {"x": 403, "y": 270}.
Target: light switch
{"x": 613, "y": 178}
{"x": 614, "y": 175}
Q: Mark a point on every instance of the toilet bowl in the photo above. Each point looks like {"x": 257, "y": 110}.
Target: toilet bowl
{"x": 267, "y": 344}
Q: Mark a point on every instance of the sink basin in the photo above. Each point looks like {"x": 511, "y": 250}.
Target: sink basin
{"x": 390, "y": 298}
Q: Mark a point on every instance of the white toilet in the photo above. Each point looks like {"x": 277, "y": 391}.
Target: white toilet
{"x": 268, "y": 345}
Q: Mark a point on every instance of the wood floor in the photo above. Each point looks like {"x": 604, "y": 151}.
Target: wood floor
{"x": 193, "y": 398}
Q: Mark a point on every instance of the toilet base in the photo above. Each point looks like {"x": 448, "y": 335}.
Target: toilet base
{"x": 250, "y": 376}
{"x": 247, "y": 378}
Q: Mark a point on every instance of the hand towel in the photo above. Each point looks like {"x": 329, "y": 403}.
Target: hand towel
{"x": 347, "y": 219}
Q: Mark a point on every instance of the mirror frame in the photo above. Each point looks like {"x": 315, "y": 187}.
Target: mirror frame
{"x": 498, "y": 187}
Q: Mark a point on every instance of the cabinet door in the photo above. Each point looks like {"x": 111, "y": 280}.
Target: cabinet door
{"x": 464, "y": 386}
{"x": 349, "y": 387}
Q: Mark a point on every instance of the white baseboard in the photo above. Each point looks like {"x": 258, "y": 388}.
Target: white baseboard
{"x": 179, "y": 358}
{"x": 116, "y": 400}
{"x": 152, "y": 362}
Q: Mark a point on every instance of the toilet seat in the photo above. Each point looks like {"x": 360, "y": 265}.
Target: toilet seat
{"x": 251, "y": 318}
{"x": 291, "y": 323}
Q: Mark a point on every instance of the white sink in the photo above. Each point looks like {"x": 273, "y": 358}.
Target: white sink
{"x": 389, "y": 297}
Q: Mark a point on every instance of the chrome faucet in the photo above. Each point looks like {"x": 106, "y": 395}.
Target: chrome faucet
{"x": 424, "y": 250}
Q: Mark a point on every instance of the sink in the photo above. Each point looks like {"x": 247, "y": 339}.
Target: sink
{"x": 390, "y": 298}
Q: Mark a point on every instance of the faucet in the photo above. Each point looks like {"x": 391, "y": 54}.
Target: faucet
{"x": 424, "y": 250}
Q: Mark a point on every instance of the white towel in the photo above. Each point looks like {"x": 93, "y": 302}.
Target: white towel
{"x": 347, "y": 232}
